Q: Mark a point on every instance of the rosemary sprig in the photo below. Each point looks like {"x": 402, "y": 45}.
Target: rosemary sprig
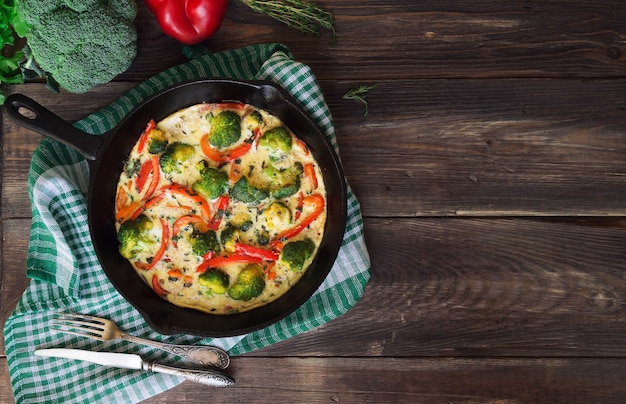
{"x": 305, "y": 16}
{"x": 359, "y": 94}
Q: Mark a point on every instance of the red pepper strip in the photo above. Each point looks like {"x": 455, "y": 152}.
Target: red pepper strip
{"x": 230, "y": 105}
{"x": 128, "y": 212}
{"x": 157, "y": 287}
{"x": 219, "y": 261}
{"x": 174, "y": 274}
{"x": 226, "y": 156}
{"x": 222, "y": 204}
{"x": 183, "y": 221}
{"x": 186, "y": 192}
{"x": 149, "y": 167}
{"x": 189, "y": 21}
{"x": 258, "y": 252}
{"x": 138, "y": 212}
{"x": 145, "y": 135}
{"x": 309, "y": 171}
{"x": 235, "y": 173}
{"x": 156, "y": 176}
{"x": 165, "y": 239}
{"x": 303, "y": 146}
{"x": 269, "y": 270}
{"x": 317, "y": 201}
{"x": 144, "y": 172}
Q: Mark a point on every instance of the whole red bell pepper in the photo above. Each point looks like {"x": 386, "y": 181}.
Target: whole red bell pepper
{"x": 188, "y": 21}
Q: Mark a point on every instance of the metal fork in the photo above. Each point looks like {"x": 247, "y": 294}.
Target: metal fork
{"x": 106, "y": 330}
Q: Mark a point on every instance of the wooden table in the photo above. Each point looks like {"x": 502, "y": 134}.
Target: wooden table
{"x": 491, "y": 171}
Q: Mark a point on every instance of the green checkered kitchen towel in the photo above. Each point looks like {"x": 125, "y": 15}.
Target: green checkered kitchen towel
{"x": 66, "y": 276}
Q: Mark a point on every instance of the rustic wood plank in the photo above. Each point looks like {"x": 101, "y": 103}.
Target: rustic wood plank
{"x": 492, "y": 147}
{"x": 376, "y": 380}
{"x": 430, "y": 39}
{"x": 13, "y": 279}
{"x": 394, "y": 380}
{"x": 463, "y": 287}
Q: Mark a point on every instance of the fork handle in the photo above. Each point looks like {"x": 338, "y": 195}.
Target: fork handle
{"x": 203, "y": 355}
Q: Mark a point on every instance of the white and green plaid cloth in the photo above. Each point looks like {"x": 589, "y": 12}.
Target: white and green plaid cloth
{"x": 66, "y": 276}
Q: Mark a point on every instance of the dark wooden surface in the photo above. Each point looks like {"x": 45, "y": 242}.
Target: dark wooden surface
{"x": 491, "y": 171}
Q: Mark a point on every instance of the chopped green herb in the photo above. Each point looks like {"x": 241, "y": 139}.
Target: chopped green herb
{"x": 359, "y": 94}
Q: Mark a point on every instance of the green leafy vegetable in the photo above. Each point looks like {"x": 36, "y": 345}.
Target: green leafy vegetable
{"x": 302, "y": 15}
{"x": 359, "y": 94}
{"x": 11, "y": 28}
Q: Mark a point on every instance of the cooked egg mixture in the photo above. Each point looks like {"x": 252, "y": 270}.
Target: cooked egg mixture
{"x": 220, "y": 208}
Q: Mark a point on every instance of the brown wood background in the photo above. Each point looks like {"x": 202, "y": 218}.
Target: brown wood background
{"x": 492, "y": 177}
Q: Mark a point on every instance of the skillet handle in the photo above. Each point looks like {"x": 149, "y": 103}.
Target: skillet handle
{"x": 26, "y": 112}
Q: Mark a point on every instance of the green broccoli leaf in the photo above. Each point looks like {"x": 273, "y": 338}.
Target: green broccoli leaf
{"x": 243, "y": 191}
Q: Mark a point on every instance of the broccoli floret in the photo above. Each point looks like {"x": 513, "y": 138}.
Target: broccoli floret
{"x": 174, "y": 156}
{"x": 215, "y": 280}
{"x": 134, "y": 236}
{"x": 81, "y": 43}
{"x": 229, "y": 236}
{"x": 296, "y": 253}
{"x": 255, "y": 118}
{"x": 157, "y": 146}
{"x": 284, "y": 182}
{"x": 201, "y": 243}
{"x": 250, "y": 283}
{"x": 277, "y": 139}
{"x": 243, "y": 191}
{"x": 225, "y": 129}
{"x": 213, "y": 182}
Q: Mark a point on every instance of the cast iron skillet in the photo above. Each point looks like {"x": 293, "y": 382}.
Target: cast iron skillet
{"x": 106, "y": 155}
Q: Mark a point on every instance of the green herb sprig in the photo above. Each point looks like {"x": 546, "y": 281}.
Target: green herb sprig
{"x": 305, "y": 16}
{"x": 359, "y": 94}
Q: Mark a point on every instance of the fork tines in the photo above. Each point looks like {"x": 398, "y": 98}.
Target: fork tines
{"x": 78, "y": 324}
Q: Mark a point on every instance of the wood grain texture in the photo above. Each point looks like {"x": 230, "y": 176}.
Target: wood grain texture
{"x": 467, "y": 380}
{"x": 490, "y": 171}
{"x": 405, "y": 39}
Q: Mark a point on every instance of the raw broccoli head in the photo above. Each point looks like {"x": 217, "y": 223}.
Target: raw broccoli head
{"x": 81, "y": 43}
{"x": 296, "y": 253}
{"x": 134, "y": 236}
{"x": 225, "y": 129}
{"x": 213, "y": 182}
{"x": 215, "y": 280}
{"x": 277, "y": 139}
{"x": 201, "y": 243}
{"x": 243, "y": 191}
{"x": 250, "y": 283}
{"x": 174, "y": 156}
